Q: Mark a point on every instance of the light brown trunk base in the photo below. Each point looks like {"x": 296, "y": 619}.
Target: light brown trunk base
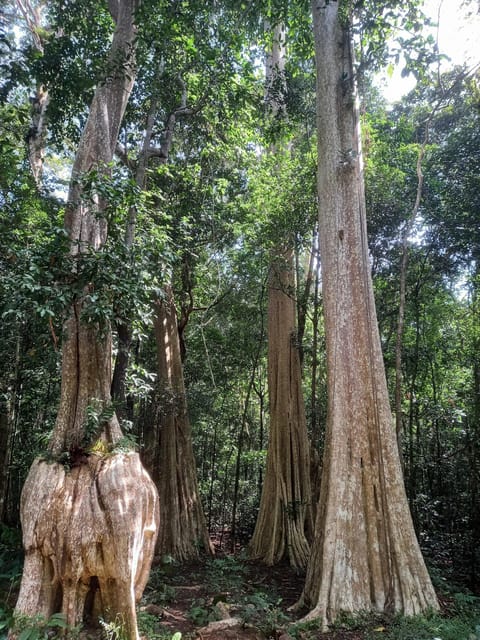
{"x": 89, "y": 536}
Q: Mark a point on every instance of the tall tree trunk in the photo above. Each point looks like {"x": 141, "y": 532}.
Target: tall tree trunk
{"x": 89, "y": 529}
{"x": 365, "y": 555}
{"x": 183, "y": 532}
{"x": 285, "y": 516}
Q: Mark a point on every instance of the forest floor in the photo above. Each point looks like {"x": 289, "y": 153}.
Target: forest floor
{"x": 228, "y": 597}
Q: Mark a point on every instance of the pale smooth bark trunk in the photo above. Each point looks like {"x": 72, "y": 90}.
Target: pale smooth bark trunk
{"x": 365, "y": 555}
{"x": 90, "y": 515}
{"x": 86, "y": 354}
{"x": 183, "y": 531}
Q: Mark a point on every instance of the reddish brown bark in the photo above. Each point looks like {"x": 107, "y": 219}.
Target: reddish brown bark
{"x": 169, "y": 452}
{"x": 365, "y": 555}
{"x": 284, "y": 516}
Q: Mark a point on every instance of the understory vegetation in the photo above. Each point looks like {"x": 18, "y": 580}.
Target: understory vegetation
{"x": 182, "y": 599}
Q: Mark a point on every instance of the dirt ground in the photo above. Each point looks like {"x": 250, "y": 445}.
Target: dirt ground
{"x": 201, "y": 600}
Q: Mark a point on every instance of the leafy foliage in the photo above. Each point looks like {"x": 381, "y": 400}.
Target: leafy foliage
{"x": 39, "y": 628}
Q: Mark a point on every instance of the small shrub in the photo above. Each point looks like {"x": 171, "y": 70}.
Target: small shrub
{"x": 39, "y": 628}
{"x": 114, "y": 629}
{"x": 428, "y": 627}
{"x": 225, "y": 574}
{"x": 149, "y": 627}
{"x": 263, "y": 612}
{"x": 200, "y": 614}
{"x": 305, "y": 630}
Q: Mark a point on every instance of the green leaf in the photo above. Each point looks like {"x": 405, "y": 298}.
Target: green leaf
{"x": 30, "y": 633}
{"x": 57, "y": 620}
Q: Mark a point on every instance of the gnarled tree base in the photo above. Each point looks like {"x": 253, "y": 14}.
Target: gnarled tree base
{"x": 89, "y": 536}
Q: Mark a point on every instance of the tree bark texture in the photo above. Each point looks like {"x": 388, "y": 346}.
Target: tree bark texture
{"x": 183, "y": 531}
{"x": 89, "y": 536}
{"x": 284, "y": 518}
{"x": 365, "y": 554}
{"x": 86, "y": 355}
{"x": 89, "y": 528}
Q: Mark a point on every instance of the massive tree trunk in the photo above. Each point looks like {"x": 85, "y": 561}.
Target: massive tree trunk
{"x": 183, "y": 532}
{"x": 90, "y": 514}
{"x": 285, "y": 508}
{"x": 365, "y": 555}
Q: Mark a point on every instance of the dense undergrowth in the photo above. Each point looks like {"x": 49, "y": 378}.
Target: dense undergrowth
{"x": 180, "y": 599}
